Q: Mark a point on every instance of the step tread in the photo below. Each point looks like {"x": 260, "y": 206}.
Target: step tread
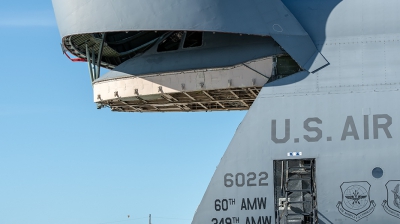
{"x": 299, "y": 202}
{"x": 299, "y": 179}
{"x": 302, "y": 190}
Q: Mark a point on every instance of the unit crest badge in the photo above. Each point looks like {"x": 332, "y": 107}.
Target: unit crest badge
{"x": 356, "y": 203}
{"x": 392, "y": 204}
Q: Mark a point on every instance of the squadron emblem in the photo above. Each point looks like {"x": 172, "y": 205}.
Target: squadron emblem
{"x": 355, "y": 203}
{"x": 392, "y": 204}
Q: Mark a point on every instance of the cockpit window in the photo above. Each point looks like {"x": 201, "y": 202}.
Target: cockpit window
{"x": 193, "y": 39}
{"x": 171, "y": 43}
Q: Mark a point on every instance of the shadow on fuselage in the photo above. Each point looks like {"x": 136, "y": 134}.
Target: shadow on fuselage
{"x": 313, "y": 15}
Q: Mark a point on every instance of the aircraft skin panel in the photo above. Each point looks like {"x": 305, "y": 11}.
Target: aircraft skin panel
{"x": 357, "y": 65}
{"x": 344, "y": 115}
{"x": 252, "y": 150}
{"x": 338, "y": 19}
{"x": 344, "y": 153}
{"x": 264, "y": 17}
{"x": 86, "y": 16}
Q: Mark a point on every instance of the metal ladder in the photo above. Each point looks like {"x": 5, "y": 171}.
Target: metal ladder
{"x": 299, "y": 209}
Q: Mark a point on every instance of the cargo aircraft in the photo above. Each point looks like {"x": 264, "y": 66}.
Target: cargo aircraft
{"x": 320, "y": 79}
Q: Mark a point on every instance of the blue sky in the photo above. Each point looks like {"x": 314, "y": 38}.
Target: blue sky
{"x": 64, "y": 161}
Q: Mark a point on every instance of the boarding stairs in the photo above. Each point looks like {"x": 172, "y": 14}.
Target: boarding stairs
{"x": 297, "y": 199}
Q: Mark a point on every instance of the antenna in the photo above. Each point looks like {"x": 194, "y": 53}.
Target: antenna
{"x": 150, "y": 219}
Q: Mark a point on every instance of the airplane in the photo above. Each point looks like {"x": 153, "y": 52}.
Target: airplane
{"x": 319, "y": 78}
